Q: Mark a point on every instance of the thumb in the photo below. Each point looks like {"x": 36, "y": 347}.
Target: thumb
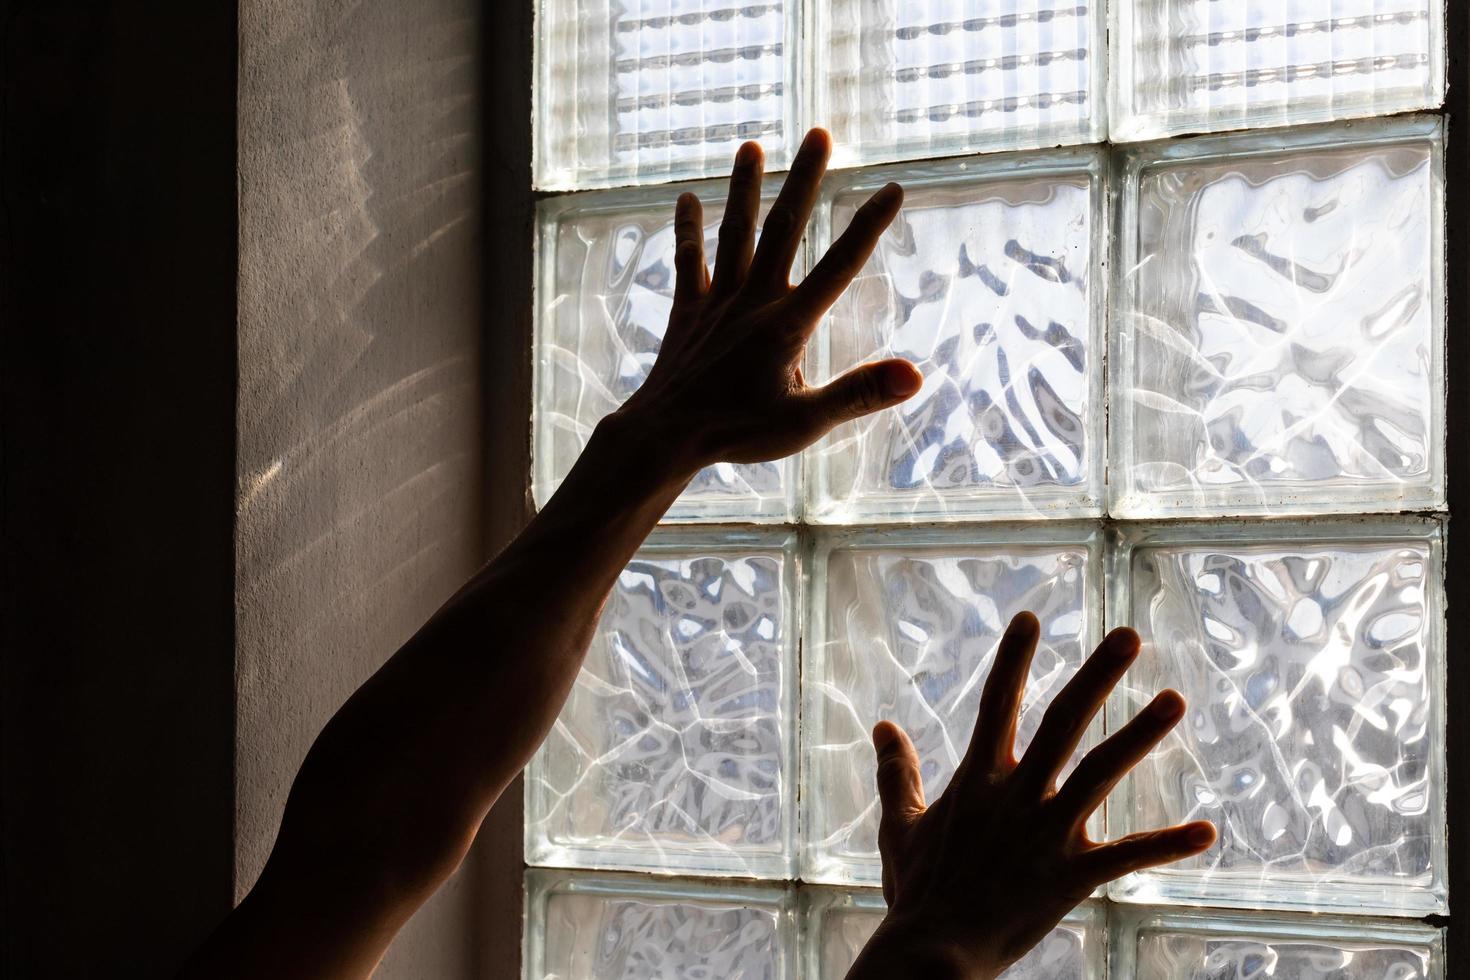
{"x": 900, "y": 787}
{"x": 865, "y": 390}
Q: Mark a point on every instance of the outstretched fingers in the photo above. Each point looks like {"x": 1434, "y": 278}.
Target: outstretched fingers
{"x": 1102, "y": 768}
{"x": 992, "y": 745}
{"x": 770, "y": 269}
{"x": 691, "y": 275}
{"x": 861, "y": 391}
{"x": 1137, "y": 852}
{"x": 846, "y": 258}
{"x": 737, "y": 229}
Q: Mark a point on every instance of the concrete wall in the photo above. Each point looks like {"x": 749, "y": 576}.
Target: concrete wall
{"x": 360, "y": 463}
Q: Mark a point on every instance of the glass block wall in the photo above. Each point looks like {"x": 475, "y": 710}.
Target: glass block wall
{"x": 1191, "y": 385}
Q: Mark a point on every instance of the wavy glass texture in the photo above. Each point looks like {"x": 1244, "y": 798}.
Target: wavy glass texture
{"x": 606, "y": 288}
{"x": 905, "y": 80}
{"x": 1279, "y": 346}
{"x": 1200, "y": 65}
{"x": 1222, "y": 946}
{"x": 836, "y": 925}
{"x": 990, "y": 282}
{"x": 905, "y": 628}
{"x": 1314, "y": 737}
{"x": 673, "y": 750}
{"x": 659, "y": 90}
{"x": 587, "y": 927}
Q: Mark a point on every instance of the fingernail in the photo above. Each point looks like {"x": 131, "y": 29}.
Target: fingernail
{"x": 1168, "y": 706}
{"x": 883, "y": 737}
{"x": 887, "y": 193}
{"x": 1025, "y": 622}
{"x": 901, "y": 380}
{"x": 748, "y": 154}
{"x": 1201, "y": 835}
{"x": 1122, "y": 643}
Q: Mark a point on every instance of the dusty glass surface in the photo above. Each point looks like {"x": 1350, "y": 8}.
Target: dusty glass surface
{"x": 990, "y": 281}
{"x": 836, "y": 924}
{"x": 1311, "y": 656}
{"x": 673, "y": 751}
{"x": 1278, "y": 345}
{"x": 637, "y": 93}
{"x": 904, "y": 627}
{"x": 897, "y": 79}
{"x": 582, "y": 926}
{"x": 1151, "y": 944}
{"x": 605, "y": 288}
{"x": 1196, "y": 65}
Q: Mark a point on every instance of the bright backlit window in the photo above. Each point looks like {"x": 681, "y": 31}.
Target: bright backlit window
{"x": 1195, "y": 386}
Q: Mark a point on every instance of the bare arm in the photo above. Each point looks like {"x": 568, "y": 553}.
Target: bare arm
{"x": 392, "y": 793}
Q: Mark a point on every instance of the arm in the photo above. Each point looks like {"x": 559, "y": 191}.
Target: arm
{"x": 394, "y": 789}
{"x": 980, "y": 877}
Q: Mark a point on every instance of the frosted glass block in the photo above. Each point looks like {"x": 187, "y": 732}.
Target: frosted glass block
{"x": 904, "y": 627}
{"x": 1153, "y": 944}
{"x": 1311, "y": 656}
{"x": 1279, "y": 345}
{"x": 583, "y": 926}
{"x": 658, "y": 90}
{"x": 835, "y": 925}
{"x": 990, "y": 280}
{"x": 605, "y": 286}
{"x": 673, "y": 751}
{"x": 900, "y": 80}
{"x": 1198, "y": 65}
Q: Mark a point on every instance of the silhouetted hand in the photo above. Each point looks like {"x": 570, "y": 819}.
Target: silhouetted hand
{"x": 980, "y": 877}
{"x": 727, "y": 385}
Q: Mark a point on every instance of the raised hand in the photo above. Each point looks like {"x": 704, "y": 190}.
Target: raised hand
{"x": 978, "y": 878}
{"x": 727, "y": 385}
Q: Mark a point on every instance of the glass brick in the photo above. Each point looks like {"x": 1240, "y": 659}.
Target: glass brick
{"x": 904, "y": 626}
{"x": 605, "y": 289}
{"x": 662, "y": 89}
{"x": 835, "y": 925}
{"x": 1203, "y": 65}
{"x": 903, "y": 80}
{"x": 582, "y": 926}
{"x": 673, "y": 751}
{"x": 1279, "y": 342}
{"x": 1155, "y": 944}
{"x": 1311, "y": 658}
{"x": 990, "y": 281}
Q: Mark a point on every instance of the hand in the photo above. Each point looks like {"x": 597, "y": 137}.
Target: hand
{"x": 980, "y": 877}
{"x": 727, "y": 385}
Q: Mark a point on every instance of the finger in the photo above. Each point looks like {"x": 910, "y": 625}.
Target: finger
{"x": 691, "y": 278}
{"x": 846, "y": 258}
{"x": 737, "y": 228}
{"x": 770, "y": 270}
{"x": 1066, "y": 720}
{"x": 1149, "y": 849}
{"x": 993, "y": 742}
{"x": 900, "y": 787}
{"x": 862, "y": 391}
{"x": 1102, "y": 768}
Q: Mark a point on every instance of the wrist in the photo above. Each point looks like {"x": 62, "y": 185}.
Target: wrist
{"x": 648, "y": 442}
{"x": 905, "y": 947}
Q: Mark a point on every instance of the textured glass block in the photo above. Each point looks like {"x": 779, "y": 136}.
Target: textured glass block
{"x": 1153, "y": 944}
{"x": 673, "y": 751}
{"x": 1311, "y": 656}
{"x": 583, "y": 926}
{"x": 900, "y": 80}
{"x": 904, "y": 627}
{"x": 835, "y": 925}
{"x": 1279, "y": 341}
{"x": 990, "y": 280}
{"x": 1199, "y": 65}
{"x": 605, "y": 286}
{"x": 658, "y": 90}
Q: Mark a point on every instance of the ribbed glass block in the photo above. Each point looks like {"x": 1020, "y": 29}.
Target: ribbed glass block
{"x": 990, "y": 280}
{"x": 659, "y": 90}
{"x": 673, "y": 751}
{"x": 903, "y": 80}
{"x": 582, "y": 926}
{"x": 1200, "y": 65}
{"x": 835, "y": 925}
{"x": 1155, "y": 944}
{"x": 605, "y": 286}
{"x": 1279, "y": 341}
{"x": 1312, "y": 658}
{"x": 904, "y": 626}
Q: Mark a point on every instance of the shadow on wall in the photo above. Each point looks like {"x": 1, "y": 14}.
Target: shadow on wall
{"x": 359, "y": 463}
